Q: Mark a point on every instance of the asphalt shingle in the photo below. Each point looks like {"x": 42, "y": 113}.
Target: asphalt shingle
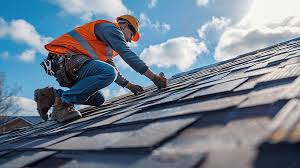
{"x": 243, "y": 112}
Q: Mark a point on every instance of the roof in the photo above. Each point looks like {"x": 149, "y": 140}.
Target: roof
{"x": 243, "y": 112}
{"x": 32, "y": 119}
{"x": 29, "y": 119}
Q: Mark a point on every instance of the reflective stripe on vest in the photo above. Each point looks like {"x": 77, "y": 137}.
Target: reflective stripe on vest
{"x": 83, "y": 43}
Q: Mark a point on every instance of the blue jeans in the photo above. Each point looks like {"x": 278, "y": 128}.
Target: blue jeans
{"x": 90, "y": 78}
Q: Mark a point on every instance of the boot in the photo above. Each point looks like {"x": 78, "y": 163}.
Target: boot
{"x": 45, "y": 99}
{"x": 64, "y": 111}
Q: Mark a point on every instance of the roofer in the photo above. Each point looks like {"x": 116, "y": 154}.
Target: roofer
{"x": 82, "y": 61}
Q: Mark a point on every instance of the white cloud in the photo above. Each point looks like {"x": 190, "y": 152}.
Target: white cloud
{"x": 28, "y": 55}
{"x": 160, "y": 27}
{"x": 119, "y": 92}
{"x": 106, "y": 92}
{"x": 214, "y": 24}
{"x": 109, "y": 93}
{"x": 88, "y": 9}
{"x": 181, "y": 52}
{"x": 23, "y": 32}
{"x": 27, "y": 107}
{"x": 3, "y": 27}
{"x": 260, "y": 28}
{"x": 202, "y": 2}
{"x": 152, "y": 3}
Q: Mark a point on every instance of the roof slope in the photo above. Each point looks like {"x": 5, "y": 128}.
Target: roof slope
{"x": 29, "y": 119}
{"x": 243, "y": 112}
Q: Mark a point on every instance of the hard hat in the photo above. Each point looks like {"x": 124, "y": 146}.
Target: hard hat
{"x": 134, "y": 22}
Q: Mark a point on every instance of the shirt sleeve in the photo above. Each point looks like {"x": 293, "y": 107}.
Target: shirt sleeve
{"x": 114, "y": 37}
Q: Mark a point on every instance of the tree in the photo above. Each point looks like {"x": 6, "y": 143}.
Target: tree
{"x": 8, "y": 107}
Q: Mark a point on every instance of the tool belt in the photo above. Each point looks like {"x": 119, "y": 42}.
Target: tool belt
{"x": 64, "y": 67}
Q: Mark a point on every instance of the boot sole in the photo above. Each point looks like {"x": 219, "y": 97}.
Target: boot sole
{"x": 42, "y": 112}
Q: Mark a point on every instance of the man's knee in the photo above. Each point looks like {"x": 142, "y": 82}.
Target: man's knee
{"x": 112, "y": 74}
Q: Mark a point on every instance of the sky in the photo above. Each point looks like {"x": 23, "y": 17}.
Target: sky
{"x": 176, "y": 35}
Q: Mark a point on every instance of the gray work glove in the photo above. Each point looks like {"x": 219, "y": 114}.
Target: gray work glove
{"x": 160, "y": 81}
{"x": 135, "y": 89}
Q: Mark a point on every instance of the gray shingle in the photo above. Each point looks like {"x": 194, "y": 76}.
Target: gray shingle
{"x": 218, "y": 88}
{"x": 196, "y": 107}
{"x": 286, "y": 124}
{"x": 97, "y": 139}
{"x": 248, "y": 85}
{"x": 238, "y": 157}
{"x": 281, "y": 73}
{"x": 211, "y": 116}
{"x": 154, "y": 133}
{"x": 211, "y": 133}
{"x": 92, "y": 160}
{"x": 257, "y": 66}
{"x": 21, "y": 159}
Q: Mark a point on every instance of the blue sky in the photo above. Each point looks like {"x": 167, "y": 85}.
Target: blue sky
{"x": 176, "y": 35}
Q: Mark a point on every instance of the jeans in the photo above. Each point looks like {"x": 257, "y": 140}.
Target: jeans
{"x": 90, "y": 78}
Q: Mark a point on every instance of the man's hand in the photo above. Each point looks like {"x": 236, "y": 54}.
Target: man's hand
{"x": 135, "y": 89}
{"x": 160, "y": 81}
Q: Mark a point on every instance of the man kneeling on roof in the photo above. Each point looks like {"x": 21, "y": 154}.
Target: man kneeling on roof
{"x": 82, "y": 61}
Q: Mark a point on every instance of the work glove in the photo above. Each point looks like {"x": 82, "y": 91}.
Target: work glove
{"x": 135, "y": 89}
{"x": 160, "y": 81}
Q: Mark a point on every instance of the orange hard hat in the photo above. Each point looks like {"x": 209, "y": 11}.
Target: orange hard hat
{"x": 134, "y": 22}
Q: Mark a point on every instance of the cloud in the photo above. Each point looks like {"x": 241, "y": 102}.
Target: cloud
{"x": 28, "y": 55}
{"x": 106, "y": 92}
{"x": 181, "y": 52}
{"x": 109, "y": 93}
{"x": 152, "y": 3}
{"x": 3, "y": 27}
{"x": 27, "y": 107}
{"x": 160, "y": 27}
{"x": 89, "y": 9}
{"x": 119, "y": 92}
{"x": 260, "y": 28}
{"x": 21, "y": 31}
{"x": 202, "y": 2}
{"x": 214, "y": 24}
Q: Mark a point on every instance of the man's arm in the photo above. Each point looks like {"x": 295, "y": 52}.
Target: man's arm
{"x": 114, "y": 37}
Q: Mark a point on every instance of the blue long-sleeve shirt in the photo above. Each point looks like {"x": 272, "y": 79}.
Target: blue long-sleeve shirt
{"x": 114, "y": 37}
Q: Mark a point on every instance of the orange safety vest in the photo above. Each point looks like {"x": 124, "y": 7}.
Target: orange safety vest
{"x": 83, "y": 40}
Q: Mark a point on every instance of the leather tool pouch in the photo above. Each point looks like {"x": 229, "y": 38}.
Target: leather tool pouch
{"x": 65, "y": 66}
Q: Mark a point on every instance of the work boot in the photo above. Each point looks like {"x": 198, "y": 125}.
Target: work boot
{"x": 45, "y": 99}
{"x": 64, "y": 111}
